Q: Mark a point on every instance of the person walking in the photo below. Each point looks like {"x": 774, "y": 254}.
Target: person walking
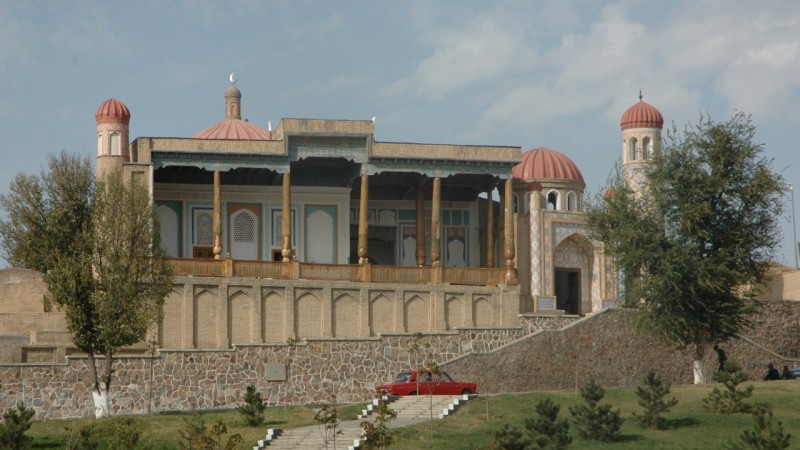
{"x": 721, "y": 356}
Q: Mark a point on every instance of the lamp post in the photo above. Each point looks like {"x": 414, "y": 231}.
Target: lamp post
{"x": 795, "y": 245}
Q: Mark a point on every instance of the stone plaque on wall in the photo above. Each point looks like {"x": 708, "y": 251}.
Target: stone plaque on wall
{"x": 276, "y": 372}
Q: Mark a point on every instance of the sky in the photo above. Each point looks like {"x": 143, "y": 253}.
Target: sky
{"x": 555, "y": 74}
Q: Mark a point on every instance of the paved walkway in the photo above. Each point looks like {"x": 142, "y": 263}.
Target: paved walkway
{"x": 410, "y": 410}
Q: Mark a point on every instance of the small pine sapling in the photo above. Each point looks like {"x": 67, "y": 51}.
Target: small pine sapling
{"x": 766, "y": 434}
{"x": 15, "y": 423}
{"x": 547, "y": 431}
{"x": 652, "y": 399}
{"x": 509, "y": 438}
{"x": 731, "y": 399}
{"x": 253, "y": 408}
{"x": 595, "y": 422}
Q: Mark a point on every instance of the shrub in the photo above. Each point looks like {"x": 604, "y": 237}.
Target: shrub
{"x": 83, "y": 439}
{"x": 595, "y": 422}
{"x": 652, "y": 399}
{"x": 730, "y": 400}
{"x": 328, "y": 419}
{"x": 15, "y": 423}
{"x": 546, "y": 430}
{"x": 193, "y": 427}
{"x": 376, "y": 434}
{"x": 211, "y": 439}
{"x": 509, "y": 438}
{"x": 765, "y": 435}
{"x": 253, "y": 408}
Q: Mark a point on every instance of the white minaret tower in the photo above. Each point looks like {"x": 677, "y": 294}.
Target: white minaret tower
{"x": 113, "y": 118}
{"x": 641, "y": 140}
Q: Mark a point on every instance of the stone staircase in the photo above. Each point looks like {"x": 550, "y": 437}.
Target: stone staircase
{"x": 410, "y": 410}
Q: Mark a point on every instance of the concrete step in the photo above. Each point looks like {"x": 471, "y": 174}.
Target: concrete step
{"x": 410, "y": 409}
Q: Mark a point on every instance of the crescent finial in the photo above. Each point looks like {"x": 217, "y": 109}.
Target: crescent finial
{"x": 232, "y": 79}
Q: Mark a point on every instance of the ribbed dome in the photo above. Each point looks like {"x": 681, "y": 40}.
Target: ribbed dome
{"x": 546, "y": 164}
{"x": 641, "y": 115}
{"x": 113, "y": 111}
{"x": 233, "y": 129}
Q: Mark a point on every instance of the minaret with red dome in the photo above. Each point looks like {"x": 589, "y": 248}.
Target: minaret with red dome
{"x": 641, "y": 126}
{"x": 113, "y": 118}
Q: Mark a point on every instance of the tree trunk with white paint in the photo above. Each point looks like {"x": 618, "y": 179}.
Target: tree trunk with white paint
{"x": 697, "y": 365}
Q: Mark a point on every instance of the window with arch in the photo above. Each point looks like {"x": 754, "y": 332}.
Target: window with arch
{"x": 553, "y": 200}
{"x": 572, "y": 201}
{"x": 647, "y": 148}
{"x": 634, "y": 149}
{"x": 115, "y": 144}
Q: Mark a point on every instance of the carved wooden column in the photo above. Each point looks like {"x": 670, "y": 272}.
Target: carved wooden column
{"x": 286, "y": 219}
{"x": 489, "y": 229}
{"x": 508, "y": 235}
{"x": 217, "y": 221}
{"x": 436, "y": 232}
{"x": 420, "y": 226}
{"x": 362, "y": 221}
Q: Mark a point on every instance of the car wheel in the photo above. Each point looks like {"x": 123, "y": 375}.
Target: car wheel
{"x": 466, "y": 392}
{"x": 412, "y": 393}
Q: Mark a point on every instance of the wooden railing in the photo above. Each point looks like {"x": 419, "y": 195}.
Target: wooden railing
{"x": 346, "y": 272}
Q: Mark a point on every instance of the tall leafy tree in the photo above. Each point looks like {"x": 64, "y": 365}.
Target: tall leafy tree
{"x": 99, "y": 250}
{"x": 698, "y": 236}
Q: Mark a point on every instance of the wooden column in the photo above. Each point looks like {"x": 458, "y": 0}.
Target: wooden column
{"x": 489, "y": 229}
{"x": 217, "y": 221}
{"x": 362, "y": 221}
{"x": 508, "y": 233}
{"x": 436, "y": 232}
{"x": 420, "y": 226}
{"x": 286, "y": 220}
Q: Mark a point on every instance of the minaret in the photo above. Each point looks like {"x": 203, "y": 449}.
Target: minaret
{"x": 641, "y": 140}
{"x": 113, "y": 118}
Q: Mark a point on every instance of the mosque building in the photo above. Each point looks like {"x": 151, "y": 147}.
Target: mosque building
{"x": 317, "y": 230}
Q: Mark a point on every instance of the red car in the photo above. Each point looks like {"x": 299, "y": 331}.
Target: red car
{"x": 409, "y": 383}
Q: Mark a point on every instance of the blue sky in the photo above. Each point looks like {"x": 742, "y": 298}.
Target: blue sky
{"x": 526, "y": 73}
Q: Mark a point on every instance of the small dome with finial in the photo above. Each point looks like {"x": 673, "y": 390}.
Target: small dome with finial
{"x": 113, "y": 111}
{"x": 641, "y": 115}
{"x": 233, "y": 127}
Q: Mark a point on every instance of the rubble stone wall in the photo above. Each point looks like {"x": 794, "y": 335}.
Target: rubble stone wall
{"x": 555, "y": 352}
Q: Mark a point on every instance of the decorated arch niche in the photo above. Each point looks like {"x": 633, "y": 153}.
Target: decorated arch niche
{"x": 308, "y": 316}
{"x": 381, "y": 318}
{"x": 345, "y": 316}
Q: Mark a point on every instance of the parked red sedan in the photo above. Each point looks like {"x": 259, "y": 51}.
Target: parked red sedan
{"x": 408, "y": 382}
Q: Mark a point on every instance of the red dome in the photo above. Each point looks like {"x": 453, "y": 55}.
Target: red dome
{"x": 113, "y": 111}
{"x": 546, "y": 164}
{"x": 641, "y": 115}
{"x": 233, "y": 129}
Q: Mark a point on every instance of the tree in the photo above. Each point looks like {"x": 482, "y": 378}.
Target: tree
{"x": 731, "y": 399}
{"x": 546, "y": 430}
{"x": 652, "y": 398}
{"x": 98, "y": 246}
{"x": 12, "y": 430}
{"x": 592, "y": 421}
{"x": 376, "y": 435}
{"x": 698, "y": 237}
{"x": 253, "y": 408}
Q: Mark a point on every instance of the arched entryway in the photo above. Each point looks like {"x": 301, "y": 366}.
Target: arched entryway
{"x": 573, "y": 275}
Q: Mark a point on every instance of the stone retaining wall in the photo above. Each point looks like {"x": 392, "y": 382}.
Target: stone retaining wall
{"x": 556, "y": 356}
{"x": 608, "y": 348}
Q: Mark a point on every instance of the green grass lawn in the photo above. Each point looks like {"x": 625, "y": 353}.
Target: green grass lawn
{"x": 473, "y": 426}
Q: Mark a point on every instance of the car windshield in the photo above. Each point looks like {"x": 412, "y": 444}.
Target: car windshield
{"x": 403, "y": 376}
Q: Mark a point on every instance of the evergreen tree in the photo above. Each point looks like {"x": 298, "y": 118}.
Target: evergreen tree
{"x": 595, "y": 422}
{"x": 652, "y": 399}
{"x": 253, "y": 408}
{"x": 766, "y": 434}
{"x": 547, "y": 431}
{"x": 15, "y": 423}
{"x": 731, "y": 399}
{"x": 698, "y": 236}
